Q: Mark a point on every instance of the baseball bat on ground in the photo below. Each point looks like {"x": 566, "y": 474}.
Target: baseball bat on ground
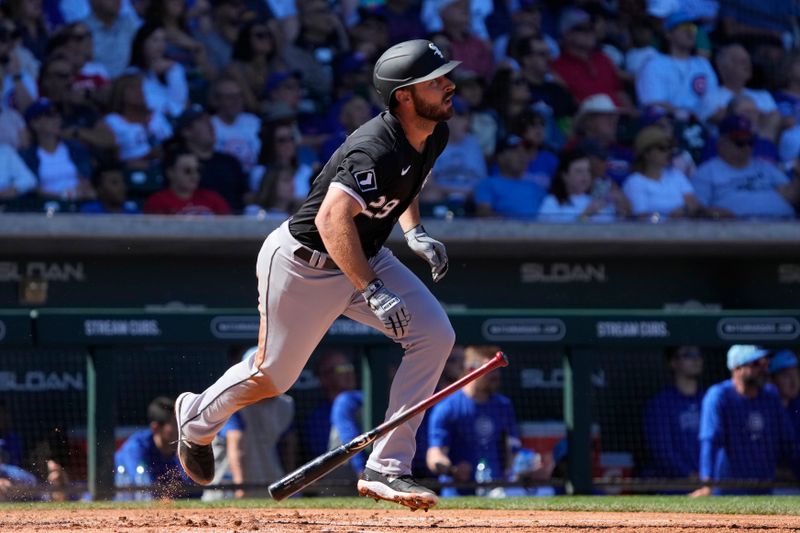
{"x": 322, "y": 465}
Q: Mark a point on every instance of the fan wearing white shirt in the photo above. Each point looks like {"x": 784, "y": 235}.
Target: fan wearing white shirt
{"x": 572, "y": 197}
{"x": 656, "y": 189}
{"x": 164, "y": 81}
{"x": 236, "y": 131}
{"x": 62, "y": 169}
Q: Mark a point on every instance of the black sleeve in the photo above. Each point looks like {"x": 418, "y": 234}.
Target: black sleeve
{"x": 360, "y": 176}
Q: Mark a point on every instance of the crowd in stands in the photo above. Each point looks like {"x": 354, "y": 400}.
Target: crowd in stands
{"x": 589, "y": 110}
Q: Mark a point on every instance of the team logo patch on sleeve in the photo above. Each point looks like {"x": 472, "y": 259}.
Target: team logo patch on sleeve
{"x": 367, "y": 180}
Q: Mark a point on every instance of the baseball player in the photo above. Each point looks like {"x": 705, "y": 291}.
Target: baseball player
{"x": 329, "y": 260}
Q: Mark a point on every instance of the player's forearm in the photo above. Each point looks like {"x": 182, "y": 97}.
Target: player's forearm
{"x": 338, "y": 231}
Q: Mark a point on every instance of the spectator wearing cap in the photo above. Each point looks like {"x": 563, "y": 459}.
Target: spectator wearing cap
{"x": 109, "y": 183}
{"x": 597, "y": 120}
{"x": 147, "y": 457}
{"x": 184, "y": 196}
{"x": 112, "y": 32}
{"x": 163, "y": 80}
{"x": 63, "y": 167}
{"x": 586, "y": 70}
{"x": 654, "y": 115}
{"x": 135, "y": 131}
{"x": 255, "y": 56}
{"x": 656, "y": 189}
{"x": 735, "y": 71}
{"x": 219, "y": 172}
{"x": 764, "y": 147}
{"x": 283, "y": 87}
{"x": 506, "y": 192}
{"x": 533, "y": 56}
{"x": 672, "y": 417}
{"x": 736, "y": 183}
{"x": 744, "y": 429}
{"x": 571, "y": 196}
{"x": 459, "y": 168}
{"x": 235, "y": 130}
{"x": 785, "y": 375}
{"x": 677, "y": 81}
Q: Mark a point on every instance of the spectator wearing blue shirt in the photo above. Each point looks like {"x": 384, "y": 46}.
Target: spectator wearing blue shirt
{"x": 336, "y": 374}
{"x": 147, "y": 457}
{"x": 346, "y": 421}
{"x": 112, "y": 193}
{"x": 744, "y": 429}
{"x": 509, "y": 192}
{"x": 475, "y": 424}
{"x": 672, "y": 417}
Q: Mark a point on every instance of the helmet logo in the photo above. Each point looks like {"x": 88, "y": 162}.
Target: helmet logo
{"x": 436, "y": 50}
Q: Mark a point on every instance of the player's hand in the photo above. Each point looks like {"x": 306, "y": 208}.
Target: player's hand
{"x": 388, "y": 307}
{"x": 429, "y": 249}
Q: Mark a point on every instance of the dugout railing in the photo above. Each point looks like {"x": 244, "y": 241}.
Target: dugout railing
{"x": 574, "y": 333}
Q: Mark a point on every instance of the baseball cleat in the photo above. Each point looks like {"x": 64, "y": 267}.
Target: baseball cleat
{"x": 402, "y": 489}
{"x": 197, "y": 460}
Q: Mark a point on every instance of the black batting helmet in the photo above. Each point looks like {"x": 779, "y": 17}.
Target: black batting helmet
{"x": 408, "y": 63}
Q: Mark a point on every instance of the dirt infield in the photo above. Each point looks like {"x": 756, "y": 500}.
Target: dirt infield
{"x": 164, "y": 519}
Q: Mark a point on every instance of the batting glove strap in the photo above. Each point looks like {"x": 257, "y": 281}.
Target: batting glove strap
{"x": 428, "y": 248}
{"x": 388, "y": 307}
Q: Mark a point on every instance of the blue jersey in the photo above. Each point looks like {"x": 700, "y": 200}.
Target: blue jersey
{"x": 346, "y": 423}
{"x": 744, "y": 438}
{"x": 139, "y": 462}
{"x": 234, "y": 423}
{"x": 473, "y": 431}
{"x": 672, "y": 424}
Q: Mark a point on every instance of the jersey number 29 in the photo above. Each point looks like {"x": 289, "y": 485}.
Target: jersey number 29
{"x": 381, "y": 208}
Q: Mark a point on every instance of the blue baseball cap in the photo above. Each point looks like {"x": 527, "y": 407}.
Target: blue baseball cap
{"x": 277, "y": 78}
{"x": 782, "y": 360}
{"x": 677, "y": 18}
{"x": 40, "y": 107}
{"x": 742, "y": 354}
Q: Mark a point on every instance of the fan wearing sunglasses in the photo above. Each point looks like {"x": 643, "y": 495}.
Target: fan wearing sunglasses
{"x": 656, "y": 189}
{"x": 737, "y": 183}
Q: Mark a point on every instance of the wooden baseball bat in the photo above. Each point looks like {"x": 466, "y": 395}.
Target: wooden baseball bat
{"x": 322, "y": 465}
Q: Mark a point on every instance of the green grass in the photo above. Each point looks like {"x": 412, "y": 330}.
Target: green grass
{"x": 764, "y": 505}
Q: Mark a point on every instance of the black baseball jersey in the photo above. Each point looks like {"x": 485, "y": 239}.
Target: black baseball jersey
{"x": 379, "y": 168}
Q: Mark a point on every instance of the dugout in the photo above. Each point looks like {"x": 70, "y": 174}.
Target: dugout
{"x": 583, "y": 310}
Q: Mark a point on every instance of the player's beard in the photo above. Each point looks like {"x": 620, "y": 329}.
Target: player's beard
{"x": 434, "y": 112}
